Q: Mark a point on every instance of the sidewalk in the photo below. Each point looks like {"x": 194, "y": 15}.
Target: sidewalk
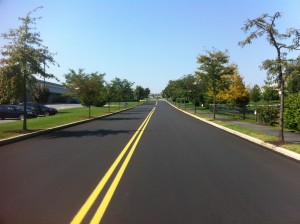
{"x": 288, "y": 136}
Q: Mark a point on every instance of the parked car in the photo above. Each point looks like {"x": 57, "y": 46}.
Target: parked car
{"x": 14, "y": 111}
{"x": 41, "y": 109}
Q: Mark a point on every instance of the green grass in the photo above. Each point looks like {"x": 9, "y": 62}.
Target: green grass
{"x": 63, "y": 116}
{"x": 292, "y": 147}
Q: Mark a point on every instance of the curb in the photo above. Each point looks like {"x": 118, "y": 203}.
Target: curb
{"x": 49, "y": 130}
{"x": 272, "y": 147}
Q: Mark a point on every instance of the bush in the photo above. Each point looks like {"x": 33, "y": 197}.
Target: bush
{"x": 267, "y": 114}
{"x": 292, "y": 112}
{"x": 99, "y": 102}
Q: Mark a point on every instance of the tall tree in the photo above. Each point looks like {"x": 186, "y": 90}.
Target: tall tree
{"x": 270, "y": 94}
{"x": 265, "y": 25}
{"x": 213, "y": 65}
{"x": 292, "y": 73}
{"x": 139, "y": 93}
{"x": 120, "y": 90}
{"x": 235, "y": 90}
{"x": 87, "y": 87}
{"x": 23, "y": 57}
{"x": 255, "y": 93}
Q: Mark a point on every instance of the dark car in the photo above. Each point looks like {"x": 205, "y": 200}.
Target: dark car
{"x": 41, "y": 109}
{"x": 14, "y": 111}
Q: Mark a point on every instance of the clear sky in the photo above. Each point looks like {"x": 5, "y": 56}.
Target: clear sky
{"x": 149, "y": 42}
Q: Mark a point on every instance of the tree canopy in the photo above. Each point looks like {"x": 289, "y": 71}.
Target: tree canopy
{"x": 213, "y": 65}
{"x": 265, "y": 25}
{"x": 23, "y": 57}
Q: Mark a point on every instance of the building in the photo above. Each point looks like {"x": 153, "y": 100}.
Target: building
{"x": 58, "y": 93}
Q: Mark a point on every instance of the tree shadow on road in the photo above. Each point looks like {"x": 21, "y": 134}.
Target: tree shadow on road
{"x": 84, "y": 133}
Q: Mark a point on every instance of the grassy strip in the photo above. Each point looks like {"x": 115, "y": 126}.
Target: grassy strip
{"x": 63, "y": 116}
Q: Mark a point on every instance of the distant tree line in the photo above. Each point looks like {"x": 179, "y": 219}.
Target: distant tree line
{"x": 215, "y": 81}
{"x": 93, "y": 90}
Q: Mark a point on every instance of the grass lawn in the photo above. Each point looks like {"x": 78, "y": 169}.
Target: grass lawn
{"x": 63, "y": 116}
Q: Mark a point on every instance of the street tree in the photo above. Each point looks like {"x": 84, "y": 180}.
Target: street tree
{"x": 139, "y": 93}
{"x": 213, "y": 65}
{"x": 23, "y": 57}
{"x": 87, "y": 87}
{"x": 235, "y": 88}
{"x": 40, "y": 93}
{"x": 292, "y": 73}
{"x": 121, "y": 90}
{"x": 282, "y": 42}
{"x": 255, "y": 93}
{"x": 270, "y": 94}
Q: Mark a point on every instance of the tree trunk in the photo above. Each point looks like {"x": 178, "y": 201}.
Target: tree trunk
{"x": 281, "y": 114}
{"x": 215, "y": 95}
{"x": 25, "y": 102}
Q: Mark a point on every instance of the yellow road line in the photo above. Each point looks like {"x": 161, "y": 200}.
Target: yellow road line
{"x": 103, "y": 206}
{"x": 89, "y": 202}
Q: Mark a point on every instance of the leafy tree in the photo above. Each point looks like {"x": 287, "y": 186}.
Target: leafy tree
{"x": 255, "y": 94}
{"x": 293, "y": 76}
{"x": 270, "y": 94}
{"x": 88, "y": 87}
{"x": 146, "y": 92}
{"x": 265, "y": 25}
{"x": 213, "y": 65}
{"x": 173, "y": 90}
{"x": 235, "y": 90}
{"x": 23, "y": 57}
{"x": 41, "y": 93}
{"x": 121, "y": 90}
{"x": 292, "y": 112}
{"x": 139, "y": 93}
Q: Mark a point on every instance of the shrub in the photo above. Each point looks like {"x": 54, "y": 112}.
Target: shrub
{"x": 267, "y": 114}
{"x": 292, "y": 112}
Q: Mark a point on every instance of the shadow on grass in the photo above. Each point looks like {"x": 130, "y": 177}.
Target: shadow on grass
{"x": 63, "y": 112}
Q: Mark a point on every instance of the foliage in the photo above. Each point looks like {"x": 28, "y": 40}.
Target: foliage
{"x": 267, "y": 114}
{"x": 120, "y": 90}
{"x": 23, "y": 56}
{"x": 140, "y": 93}
{"x": 41, "y": 93}
{"x": 174, "y": 90}
{"x": 265, "y": 25}
{"x": 292, "y": 73}
{"x": 213, "y": 65}
{"x": 235, "y": 90}
{"x": 255, "y": 94}
{"x": 292, "y": 112}
{"x": 88, "y": 87}
{"x": 270, "y": 94}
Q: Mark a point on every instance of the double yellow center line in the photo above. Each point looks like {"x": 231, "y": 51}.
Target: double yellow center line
{"x": 104, "y": 203}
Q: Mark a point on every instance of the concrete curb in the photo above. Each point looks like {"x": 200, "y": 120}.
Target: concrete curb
{"x": 49, "y": 130}
{"x": 272, "y": 147}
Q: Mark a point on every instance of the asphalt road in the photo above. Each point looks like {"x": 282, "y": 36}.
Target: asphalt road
{"x": 175, "y": 170}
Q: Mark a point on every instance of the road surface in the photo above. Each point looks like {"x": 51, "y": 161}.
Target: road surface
{"x": 151, "y": 164}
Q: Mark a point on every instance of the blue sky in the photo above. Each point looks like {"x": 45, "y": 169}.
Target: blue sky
{"x": 149, "y": 42}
